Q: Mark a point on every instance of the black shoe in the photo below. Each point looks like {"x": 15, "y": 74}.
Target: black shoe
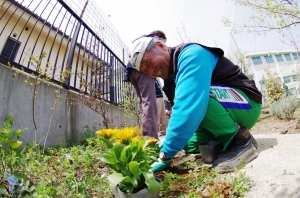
{"x": 241, "y": 150}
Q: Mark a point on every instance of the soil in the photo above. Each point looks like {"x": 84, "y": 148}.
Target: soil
{"x": 272, "y": 124}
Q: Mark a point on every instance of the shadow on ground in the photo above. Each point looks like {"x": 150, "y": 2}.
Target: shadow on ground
{"x": 266, "y": 143}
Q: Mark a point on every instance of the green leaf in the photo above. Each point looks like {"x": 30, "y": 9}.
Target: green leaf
{"x": 15, "y": 144}
{"x": 3, "y": 191}
{"x": 108, "y": 144}
{"x": 127, "y": 180}
{"x": 19, "y": 133}
{"x": 134, "y": 168}
{"x": 124, "y": 157}
{"x": 107, "y": 158}
{"x": 8, "y": 122}
{"x": 134, "y": 181}
{"x": 127, "y": 185}
{"x": 115, "y": 178}
{"x": 153, "y": 185}
{"x": 118, "y": 150}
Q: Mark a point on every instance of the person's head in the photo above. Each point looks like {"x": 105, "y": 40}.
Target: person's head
{"x": 160, "y": 34}
{"x": 151, "y": 56}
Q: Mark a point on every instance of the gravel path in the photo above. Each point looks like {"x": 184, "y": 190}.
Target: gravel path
{"x": 276, "y": 171}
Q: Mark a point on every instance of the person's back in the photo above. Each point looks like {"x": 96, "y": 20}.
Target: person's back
{"x": 146, "y": 93}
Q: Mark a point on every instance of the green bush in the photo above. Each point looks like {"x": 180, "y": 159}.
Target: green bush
{"x": 274, "y": 87}
{"x": 284, "y": 108}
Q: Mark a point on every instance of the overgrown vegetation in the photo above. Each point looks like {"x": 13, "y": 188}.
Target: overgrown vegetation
{"x": 77, "y": 171}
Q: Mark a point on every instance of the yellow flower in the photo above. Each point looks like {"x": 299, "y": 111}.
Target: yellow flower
{"x": 107, "y": 133}
{"x": 138, "y": 131}
{"x": 125, "y": 135}
{"x": 135, "y": 139}
{"x": 152, "y": 141}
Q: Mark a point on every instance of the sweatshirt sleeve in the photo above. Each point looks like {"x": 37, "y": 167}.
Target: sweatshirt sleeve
{"x": 195, "y": 67}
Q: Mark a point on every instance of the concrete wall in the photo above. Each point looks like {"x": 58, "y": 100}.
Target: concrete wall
{"x": 68, "y": 119}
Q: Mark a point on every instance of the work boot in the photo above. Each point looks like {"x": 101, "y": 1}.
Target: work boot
{"x": 241, "y": 150}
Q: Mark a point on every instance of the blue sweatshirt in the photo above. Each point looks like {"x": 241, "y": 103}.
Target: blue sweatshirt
{"x": 195, "y": 68}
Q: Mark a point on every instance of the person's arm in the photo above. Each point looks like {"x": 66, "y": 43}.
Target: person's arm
{"x": 145, "y": 88}
{"x": 195, "y": 67}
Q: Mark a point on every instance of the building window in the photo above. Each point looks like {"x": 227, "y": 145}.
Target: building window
{"x": 279, "y": 58}
{"x": 256, "y": 60}
{"x": 10, "y": 48}
{"x": 295, "y": 56}
{"x": 286, "y": 79}
{"x": 269, "y": 59}
{"x": 294, "y": 77}
{"x": 288, "y": 57}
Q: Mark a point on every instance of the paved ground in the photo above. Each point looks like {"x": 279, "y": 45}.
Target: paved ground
{"x": 276, "y": 171}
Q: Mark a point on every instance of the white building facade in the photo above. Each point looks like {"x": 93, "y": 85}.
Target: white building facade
{"x": 286, "y": 63}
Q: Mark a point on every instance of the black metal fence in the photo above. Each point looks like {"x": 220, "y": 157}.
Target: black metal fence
{"x": 51, "y": 32}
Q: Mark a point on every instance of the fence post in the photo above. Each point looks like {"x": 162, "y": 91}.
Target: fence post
{"x": 111, "y": 78}
{"x": 73, "y": 45}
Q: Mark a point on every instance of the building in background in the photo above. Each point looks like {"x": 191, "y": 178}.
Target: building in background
{"x": 286, "y": 63}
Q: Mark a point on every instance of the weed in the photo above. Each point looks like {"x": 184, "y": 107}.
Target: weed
{"x": 88, "y": 133}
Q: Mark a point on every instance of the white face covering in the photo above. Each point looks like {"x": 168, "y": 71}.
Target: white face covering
{"x": 138, "y": 49}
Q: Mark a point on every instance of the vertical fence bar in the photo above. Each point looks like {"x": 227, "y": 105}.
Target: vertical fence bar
{"x": 111, "y": 78}
{"x": 73, "y": 45}
{"x": 54, "y": 40}
{"x": 79, "y": 51}
{"x": 71, "y": 53}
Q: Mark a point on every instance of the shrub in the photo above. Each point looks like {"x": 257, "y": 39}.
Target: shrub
{"x": 274, "y": 88}
{"x": 284, "y": 108}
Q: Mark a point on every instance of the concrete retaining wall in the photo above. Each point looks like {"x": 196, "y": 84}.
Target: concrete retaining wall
{"x": 65, "y": 123}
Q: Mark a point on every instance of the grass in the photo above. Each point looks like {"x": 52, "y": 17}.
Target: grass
{"x": 77, "y": 171}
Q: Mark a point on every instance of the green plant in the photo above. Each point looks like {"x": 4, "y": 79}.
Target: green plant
{"x": 285, "y": 108}
{"x": 131, "y": 104}
{"x": 9, "y": 142}
{"x": 274, "y": 88}
{"x": 88, "y": 133}
{"x": 127, "y": 158}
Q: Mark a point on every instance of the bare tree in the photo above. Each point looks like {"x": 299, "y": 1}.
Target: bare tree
{"x": 269, "y": 15}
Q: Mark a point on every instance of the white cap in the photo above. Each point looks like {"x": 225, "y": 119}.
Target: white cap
{"x": 138, "y": 49}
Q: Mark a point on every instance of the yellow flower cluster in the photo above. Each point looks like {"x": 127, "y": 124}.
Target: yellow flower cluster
{"x": 152, "y": 141}
{"x": 107, "y": 133}
{"x": 124, "y": 135}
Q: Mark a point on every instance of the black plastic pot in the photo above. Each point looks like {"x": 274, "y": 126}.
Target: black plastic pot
{"x": 210, "y": 151}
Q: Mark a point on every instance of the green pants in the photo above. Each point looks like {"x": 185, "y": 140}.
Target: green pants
{"x": 221, "y": 124}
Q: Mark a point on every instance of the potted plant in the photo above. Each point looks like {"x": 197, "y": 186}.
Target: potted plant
{"x": 127, "y": 157}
